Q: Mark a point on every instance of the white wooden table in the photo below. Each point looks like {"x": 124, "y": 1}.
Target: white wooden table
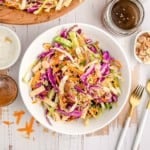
{"x": 10, "y": 139}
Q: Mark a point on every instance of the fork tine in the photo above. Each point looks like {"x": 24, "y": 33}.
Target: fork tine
{"x": 141, "y": 92}
{"x": 138, "y": 91}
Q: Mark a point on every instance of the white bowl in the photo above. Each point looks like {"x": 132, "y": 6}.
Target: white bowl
{"x": 15, "y": 45}
{"x": 136, "y": 38}
{"x": 76, "y": 127}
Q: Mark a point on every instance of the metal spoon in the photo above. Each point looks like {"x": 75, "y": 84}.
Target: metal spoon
{"x": 143, "y": 122}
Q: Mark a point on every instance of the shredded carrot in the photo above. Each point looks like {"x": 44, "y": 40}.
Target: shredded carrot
{"x": 35, "y": 79}
{"x": 57, "y": 79}
{"x": 7, "y": 123}
{"x": 74, "y": 79}
{"x": 104, "y": 100}
{"x": 18, "y": 115}
{"x": 22, "y": 129}
{"x": 55, "y": 70}
{"x": 54, "y": 61}
{"x": 75, "y": 69}
{"x": 118, "y": 64}
{"x": 68, "y": 73}
{"x": 28, "y": 127}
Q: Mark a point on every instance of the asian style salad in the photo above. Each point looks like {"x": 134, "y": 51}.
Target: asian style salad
{"x": 36, "y": 6}
{"x": 73, "y": 78}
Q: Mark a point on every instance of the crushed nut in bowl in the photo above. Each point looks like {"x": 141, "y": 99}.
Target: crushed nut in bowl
{"x": 142, "y": 47}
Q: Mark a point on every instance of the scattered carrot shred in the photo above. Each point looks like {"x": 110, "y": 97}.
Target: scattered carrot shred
{"x": 28, "y": 127}
{"x": 7, "y": 123}
{"x": 22, "y": 129}
{"x": 18, "y": 115}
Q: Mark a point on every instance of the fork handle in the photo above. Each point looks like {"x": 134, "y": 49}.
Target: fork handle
{"x": 140, "y": 130}
{"x": 123, "y": 134}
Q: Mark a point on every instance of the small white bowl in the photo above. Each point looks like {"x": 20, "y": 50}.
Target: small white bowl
{"x": 135, "y": 41}
{"x": 8, "y": 40}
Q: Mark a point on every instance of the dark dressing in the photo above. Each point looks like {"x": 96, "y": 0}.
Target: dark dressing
{"x": 125, "y": 14}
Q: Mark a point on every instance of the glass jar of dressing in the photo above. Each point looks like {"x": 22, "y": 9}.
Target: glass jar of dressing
{"x": 123, "y": 16}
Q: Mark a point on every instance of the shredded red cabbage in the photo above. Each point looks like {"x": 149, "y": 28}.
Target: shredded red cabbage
{"x": 105, "y": 69}
{"x": 64, "y": 33}
{"x": 43, "y": 76}
{"x": 52, "y": 79}
{"x": 87, "y": 73}
{"x": 79, "y": 31}
{"x": 92, "y": 48}
{"x": 88, "y": 41}
{"x": 79, "y": 89}
{"x": 114, "y": 98}
{"x": 44, "y": 54}
{"x": 106, "y": 57}
{"x": 75, "y": 113}
{"x": 32, "y": 9}
{"x": 38, "y": 85}
{"x": 43, "y": 94}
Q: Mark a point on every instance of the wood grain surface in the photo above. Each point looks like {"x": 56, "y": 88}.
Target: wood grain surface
{"x": 13, "y": 16}
{"x": 4, "y": 71}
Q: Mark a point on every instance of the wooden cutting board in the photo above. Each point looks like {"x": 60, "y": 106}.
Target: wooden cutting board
{"x": 13, "y": 16}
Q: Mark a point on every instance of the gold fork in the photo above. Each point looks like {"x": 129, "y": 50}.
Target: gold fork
{"x": 134, "y": 102}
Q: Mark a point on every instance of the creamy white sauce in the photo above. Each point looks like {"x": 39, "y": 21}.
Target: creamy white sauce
{"x": 8, "y": 48}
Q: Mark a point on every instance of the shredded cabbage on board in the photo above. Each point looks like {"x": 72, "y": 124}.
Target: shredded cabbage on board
{"x": 36, "y": 6}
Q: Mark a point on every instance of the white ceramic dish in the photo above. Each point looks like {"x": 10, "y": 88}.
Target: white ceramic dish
{"x": 76, "y": 127}
{"x": 10, "y": 47}
{"x": 136, "y": 38}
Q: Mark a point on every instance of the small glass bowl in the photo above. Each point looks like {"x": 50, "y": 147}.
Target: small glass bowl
{"x": 110, "y": 25}
{"x": 8, "y": 90}
{"x": 142, "y": 33}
